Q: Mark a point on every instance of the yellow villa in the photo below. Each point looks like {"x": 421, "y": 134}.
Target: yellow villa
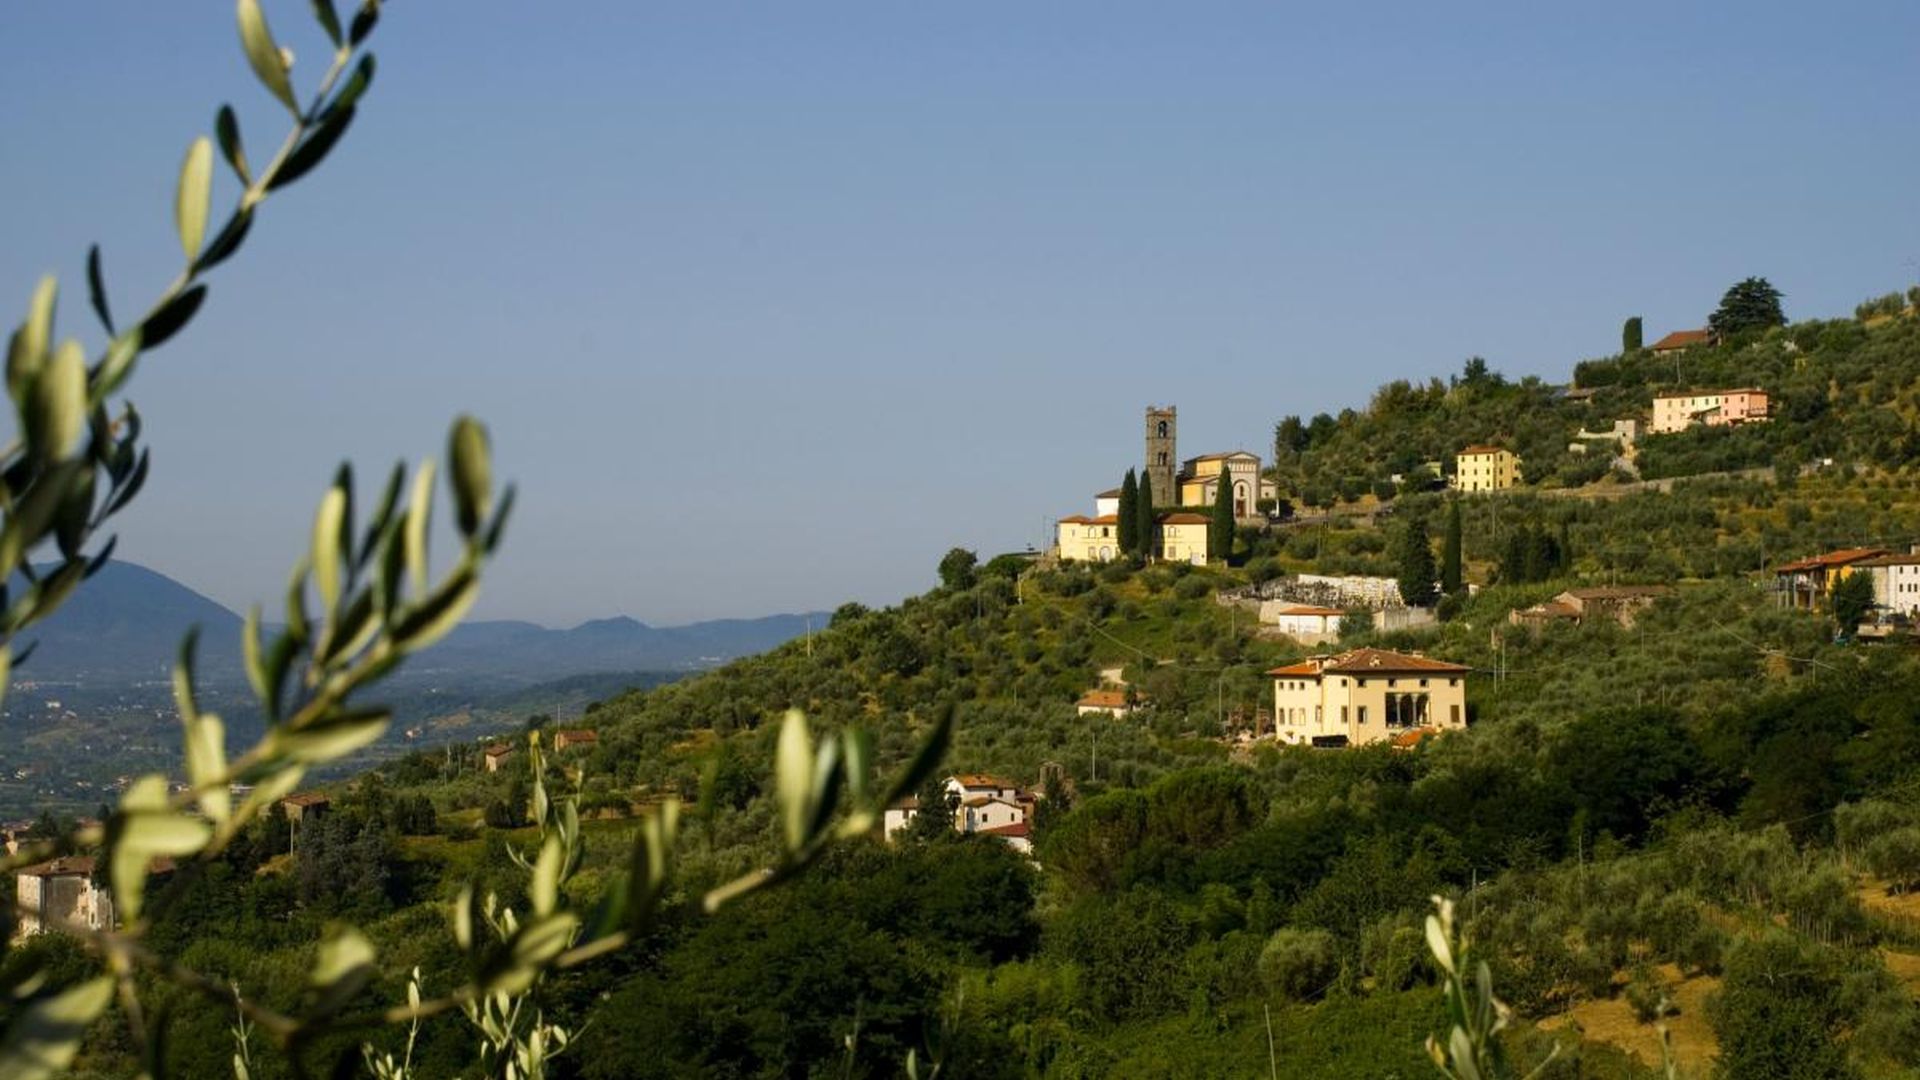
{"x": 1089, "y": 539}
{"x": 1180, "y": 538}
{"x": 1485, "y": 468}
{"x": 1366, "y": 696}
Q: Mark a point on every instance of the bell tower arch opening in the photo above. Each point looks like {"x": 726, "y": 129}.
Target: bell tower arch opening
{"x": 1162, "y": 452}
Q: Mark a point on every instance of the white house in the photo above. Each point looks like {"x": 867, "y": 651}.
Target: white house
{"x": 1309, "y": 623}
{"x": 982, "y": 804}
{"x": 1896, "y": 583}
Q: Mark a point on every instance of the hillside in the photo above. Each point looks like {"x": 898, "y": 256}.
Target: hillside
{"x": 1841, "y": 389}
{"x": 1673, "y": 808}
{"x": 1636, "y": 819}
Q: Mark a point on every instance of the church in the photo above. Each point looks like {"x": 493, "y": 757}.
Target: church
{"x": 1183, "y": 498}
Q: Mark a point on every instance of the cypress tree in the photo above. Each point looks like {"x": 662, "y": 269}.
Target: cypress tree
{"x": 1129, "y": 510}
{"x": 1146, "y": 523}
{"x": 1220, "y": 529}
{"x": 1513, "y": 558}
{"x": 1630, "y": 336}
{"x": 1564, "y": 556}
{"x": 1451, "y": 578}
{"x": 1414, "y": 558}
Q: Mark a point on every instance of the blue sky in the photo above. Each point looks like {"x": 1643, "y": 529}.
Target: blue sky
{"x": 769, "y": 305}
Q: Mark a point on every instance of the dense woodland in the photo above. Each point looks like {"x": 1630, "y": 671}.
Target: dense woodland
{"x": 1709, "y": 820}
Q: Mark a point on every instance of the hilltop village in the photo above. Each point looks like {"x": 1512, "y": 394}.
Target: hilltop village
{"x": 1621, "y": 665}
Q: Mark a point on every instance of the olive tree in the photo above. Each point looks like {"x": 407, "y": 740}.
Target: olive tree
{"x": 358, "y": 604}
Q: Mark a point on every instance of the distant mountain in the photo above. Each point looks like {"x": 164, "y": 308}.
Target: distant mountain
{"x": 525, "y": 650}
{"x": 125, "y": 625}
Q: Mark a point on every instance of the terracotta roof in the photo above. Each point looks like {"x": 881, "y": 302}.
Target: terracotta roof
{"x": 1672, "y": 394}
{"x": 577, "y": 735}
{"x": 1474, "y": 451}
{"x": 1552, "y": 609}
{"x": 64, "y": 866}
{"x": 906, "y": 802}
{"x": 1224, "y": 456}
{"x": 1843, "y": 557}
{"x": 1114, "y": 494}
{"x": 1074, "y": 519}
{"x": 499, "y": 750}
{"x": 308, "y": 798}
{"x": 1368, "y": 662}
{"x": 1619, "y": 592}
{"x": 1018, "y": 829}
{"x": 981, "y": 780}
{"x": 1683, "y": 339}
{"x": 1309, "y": 609}
{"x": 82, "y": 865}
{"x": 1371, "y": 661}
{"x": 1184, "y": 519}
{"x": 1892, "y": 560}
{"x": 982, "y": 800}
{"x": 1104, "y": 699}
{"x": 1407, "y": 740}
{"x": 1103, "y": 519}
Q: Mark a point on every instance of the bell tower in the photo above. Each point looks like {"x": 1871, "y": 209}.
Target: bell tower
{"x": 1161, "y": 432}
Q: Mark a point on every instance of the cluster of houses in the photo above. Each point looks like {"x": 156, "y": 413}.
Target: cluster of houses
{"x": 1619, "y": 603}
{"x": 496, "y": 755}
{"x": 1180, "y": 533}
{"x": 67, "y": 893}
{"x": 1807, "y": 584}
{"x": 982, "y": 804}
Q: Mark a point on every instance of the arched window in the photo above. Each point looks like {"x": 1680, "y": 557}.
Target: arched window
{"x": 1161, "y": 430}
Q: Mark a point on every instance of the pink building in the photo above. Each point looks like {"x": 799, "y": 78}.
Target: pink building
{"x": 1740, "y": 407}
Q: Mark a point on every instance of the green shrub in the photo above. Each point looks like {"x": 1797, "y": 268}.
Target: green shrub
{"x": 1647, "y": 994}
{"x": 1301, "y": 964}
{"x": 1894, "y": 857}
{"x": 1192, "y": 588}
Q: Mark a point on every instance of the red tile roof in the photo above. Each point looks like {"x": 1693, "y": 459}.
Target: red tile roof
{"x": 1104, "y": 699}
{"x": 308, "y": 798}
{"x": 1367, "y": 662}
{"x": 1474, "y": 451}
{"x": 1114, "y": 494}
{"x": 1380, "y": 661}
{"x": 1684, "y": 339}
{"x": 1892, "y": 560}
{"x": 982, "y": 780}
{"x": 1018, "y": 829}
{"x": 1843, "y": 557}
{"x": 1184, "y": 519}
{"x": 499, "y": 750}
{"x": 1309, "y": 609}
{"x": 64, "y": 866}
{"x": 579, "y": 735}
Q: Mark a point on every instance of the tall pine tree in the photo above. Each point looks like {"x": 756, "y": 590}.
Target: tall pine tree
{"x": 1146, "y": 522}
{"x": 1129, "y": 510}
{"x": 1220, "y": 529}
{"x": 1451, "y": 577}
